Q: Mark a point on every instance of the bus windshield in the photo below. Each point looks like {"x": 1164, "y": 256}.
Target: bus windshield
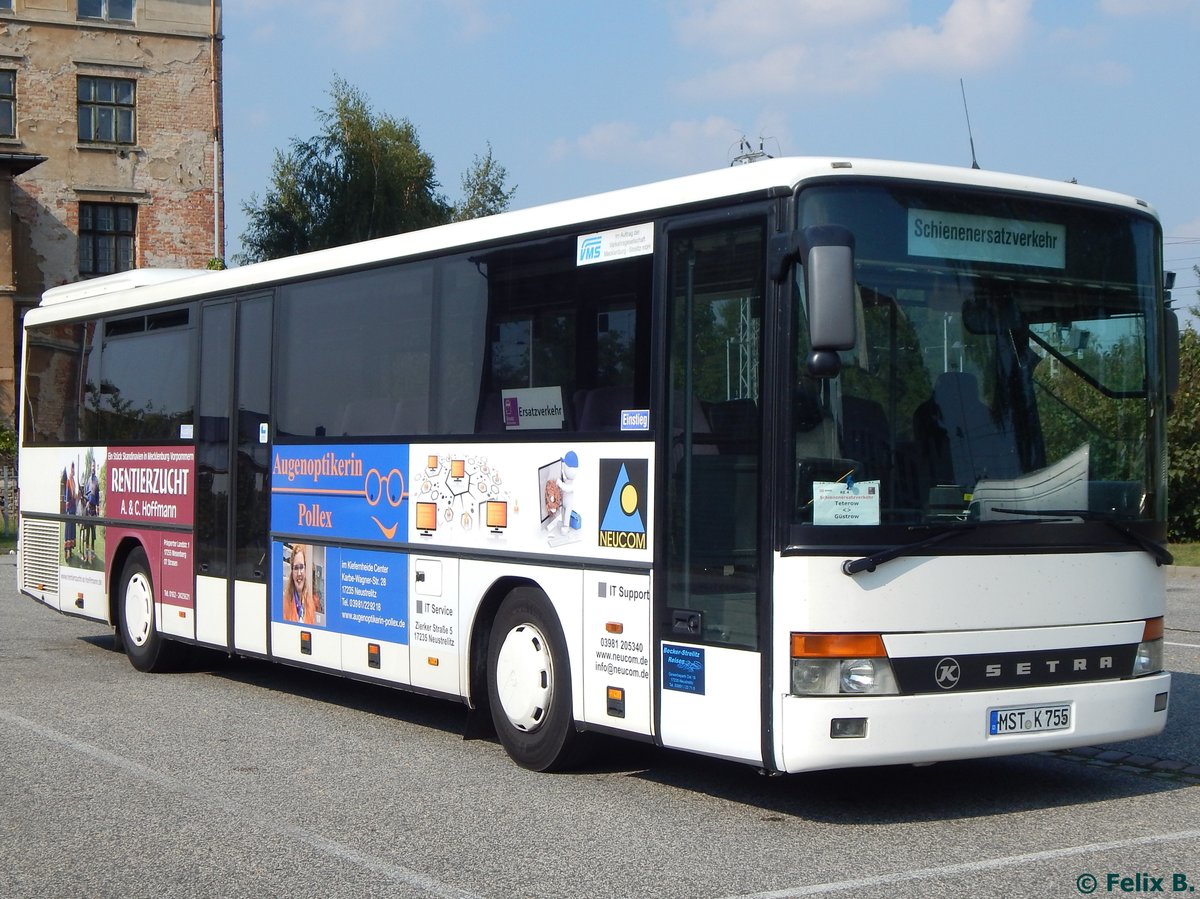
{"x": 1004, "y": 366}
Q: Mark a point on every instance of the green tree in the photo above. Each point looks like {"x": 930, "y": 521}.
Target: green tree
{"x": 1183, "y": 439}
{"x": 483, "y": 187}
{"x": 364, "y": 175}
{"x": 1074, "y": 412}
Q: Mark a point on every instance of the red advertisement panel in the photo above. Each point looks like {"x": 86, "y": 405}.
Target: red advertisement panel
{"x": 156, "y": 485}
{"x": 153, "y": 484}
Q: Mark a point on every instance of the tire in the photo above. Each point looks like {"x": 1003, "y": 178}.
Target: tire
{"x": 529, "y": 684}
{"x": 145, "y": 646}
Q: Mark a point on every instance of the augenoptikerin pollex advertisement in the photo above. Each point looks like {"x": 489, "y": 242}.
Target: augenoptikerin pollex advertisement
{"x": 322, "y": 496}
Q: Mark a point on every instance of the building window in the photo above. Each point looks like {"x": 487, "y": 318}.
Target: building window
{"x": 108, "y": 10}
{"x": 106, "y": 110}
{"x": 6, "y": 5}
{"x": 8, "y": 101}
{"x": 106, "y": 232}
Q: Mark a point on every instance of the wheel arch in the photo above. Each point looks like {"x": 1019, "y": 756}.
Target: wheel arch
{"x": 120, "y": 556}
{"x": 481, "y": 632}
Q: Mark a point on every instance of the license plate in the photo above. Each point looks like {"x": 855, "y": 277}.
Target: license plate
{"x": 1029, "y": 719}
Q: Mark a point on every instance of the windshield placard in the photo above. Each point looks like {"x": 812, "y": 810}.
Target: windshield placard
{"x": 841, "y": 502}
{"x": 985, "y": 238}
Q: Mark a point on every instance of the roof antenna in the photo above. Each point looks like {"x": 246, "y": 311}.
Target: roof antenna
{"x": 967, "y": 112}
{"x": 747, "y": 153}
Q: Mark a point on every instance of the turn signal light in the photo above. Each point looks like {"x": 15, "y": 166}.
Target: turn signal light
{"x": 837, "y": 646}
{"x": 840, "y": 664}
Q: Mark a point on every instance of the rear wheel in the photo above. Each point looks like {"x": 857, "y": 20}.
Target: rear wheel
{"x": 529, "y": 684}
{"x": 143, "y": 643}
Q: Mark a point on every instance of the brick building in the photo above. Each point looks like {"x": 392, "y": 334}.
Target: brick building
{"x": 110, "y": 147}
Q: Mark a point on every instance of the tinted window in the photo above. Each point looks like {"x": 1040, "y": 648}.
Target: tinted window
{"x": 124, "y": 402}
{"x": 354, "y": 354}
{"x": 564, "y": 335}
{"x": 126, "y": 379}
{"x": 57, "y": 358}
{"x": 431, "y": 347}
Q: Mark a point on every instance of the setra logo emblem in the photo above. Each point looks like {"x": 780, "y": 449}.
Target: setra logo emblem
{"x": 946, "y": 673}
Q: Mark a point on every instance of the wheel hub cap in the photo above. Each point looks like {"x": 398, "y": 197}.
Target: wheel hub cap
{"x": 139, "y": 610}
{"x": 525, "y": 677}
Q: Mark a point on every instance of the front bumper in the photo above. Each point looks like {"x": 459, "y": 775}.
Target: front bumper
{"x": 941, "y": 727}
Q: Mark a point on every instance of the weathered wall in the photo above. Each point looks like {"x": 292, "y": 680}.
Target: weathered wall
{"x": 168, "y": 172}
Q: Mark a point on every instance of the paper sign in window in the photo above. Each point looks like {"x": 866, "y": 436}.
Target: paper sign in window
{"x": 837, "y": 502}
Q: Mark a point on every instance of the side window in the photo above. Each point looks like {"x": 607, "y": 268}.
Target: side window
{"x": 397, "y": 351}
{"x": 88, "y": 381}
{"x": 106, "y": 108}
{"x": 122, "y": 403}
{"x": 56, "y": 360}
{"x": 8, "y": 103}
{"x": 355, "y": 353}
{"x": 568, "y": 346}
{"x": 459, "y": 328}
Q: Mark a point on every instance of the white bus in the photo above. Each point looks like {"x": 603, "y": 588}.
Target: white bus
{"x": 806, "y": 464}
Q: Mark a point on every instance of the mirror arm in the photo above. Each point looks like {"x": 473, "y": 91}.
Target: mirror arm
{"x": 783, "y": 252}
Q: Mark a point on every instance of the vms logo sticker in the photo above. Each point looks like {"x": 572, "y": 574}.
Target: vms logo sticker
{"x": 623, "y": 484}
{"x": 590, "y": 249}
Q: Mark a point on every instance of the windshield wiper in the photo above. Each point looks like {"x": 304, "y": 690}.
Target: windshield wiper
{"x": 852, "y": 567}
{"x": 1161, "y": 554}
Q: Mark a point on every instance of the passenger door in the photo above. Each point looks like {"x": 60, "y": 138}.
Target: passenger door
{"x": 711, "y": 667}
{"x": 232, "y": 473}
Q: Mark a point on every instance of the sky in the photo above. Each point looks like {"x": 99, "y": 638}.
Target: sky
{"x": 579, "y": 98}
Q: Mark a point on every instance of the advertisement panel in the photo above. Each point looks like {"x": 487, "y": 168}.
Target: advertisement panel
{"x": 354, "y": 491}
{"x": 349, "y": 591}
{"x": 106, "y": 494}
{"x": 589, "y": 499}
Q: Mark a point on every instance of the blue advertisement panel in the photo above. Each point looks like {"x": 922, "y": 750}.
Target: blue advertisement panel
{"x": 341, "y": 492}
{"x": 351, "y": 591}
{"x": 683, "y": 668}
{"x": 336, "y": 493}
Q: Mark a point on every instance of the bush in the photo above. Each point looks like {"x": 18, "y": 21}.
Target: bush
{"x": 8, "y": 446}
{"x": 1183, "y": 441}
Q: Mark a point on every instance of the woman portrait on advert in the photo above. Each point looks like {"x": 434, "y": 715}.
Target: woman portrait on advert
{"x": 300, "y": 602}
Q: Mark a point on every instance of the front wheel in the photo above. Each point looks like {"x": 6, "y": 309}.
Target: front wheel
{"x": 529, "y": 684}
{"x": 144, "y": 645}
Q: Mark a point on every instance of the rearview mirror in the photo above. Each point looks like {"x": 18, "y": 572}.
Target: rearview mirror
{"x": 827, "y": 253}
{"x": 1171, "y": 339}
{"x": 829, "y": 286}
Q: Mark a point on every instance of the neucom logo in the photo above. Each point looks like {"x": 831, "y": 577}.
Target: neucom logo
{"x": 623, "y": 485}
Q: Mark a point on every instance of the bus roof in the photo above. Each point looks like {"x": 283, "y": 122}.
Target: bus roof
{"x": 146, "y": 287}
{"x": 94, "y": 287}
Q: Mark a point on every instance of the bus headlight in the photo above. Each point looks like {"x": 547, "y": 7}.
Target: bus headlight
{"x": 1149, "y": 658}
{"x": 815, "y": 677}
{"x": 838, "y": 664}
{"x": 867, "y": 676}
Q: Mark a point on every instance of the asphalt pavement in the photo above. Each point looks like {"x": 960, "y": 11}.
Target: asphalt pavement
{"x": 242, "y": 778}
